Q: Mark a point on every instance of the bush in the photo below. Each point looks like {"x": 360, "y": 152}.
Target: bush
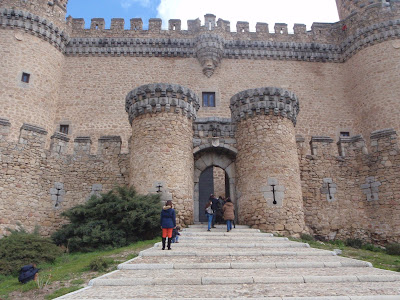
{"x": 100, "y": 264}
{"x": 115, "y": 219}
{"x": 306, "y": 237}
{"x": 393, "y": 249}
{"x": 371, "y": 247}
{"x": 22, "y": 248}
{"x": 355, "y": 243}
{"x": 338, "y": 243}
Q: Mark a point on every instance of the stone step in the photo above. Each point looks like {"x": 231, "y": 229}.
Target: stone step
{"x": 224, "y": 233}
{"x": 327, "y": 274}
{"x": 232, "y": 238}
{"x": 300, "y": 291}
{"x": 235, "y": 244}
{"x": 205, "y": 225}
{"x": 241, "y": 264}
{"x": 249, "y": 265}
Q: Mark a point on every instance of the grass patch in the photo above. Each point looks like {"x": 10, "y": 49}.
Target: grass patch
{"x": 70, "y": 268}
{"x": 368, "y": 252}
{"x": 63, "y": 291}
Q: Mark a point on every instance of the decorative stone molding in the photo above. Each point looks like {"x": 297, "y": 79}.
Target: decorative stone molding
{"x": 33, "y": 128}
{"x": 315, "y": 140}
{"x": 4, "y": 122}
{"x": 383, "y": 133}
{"x": 329, "y": 189}
{"x": 267, "y": 100}
{"x": 60, "y": 136}
{"x": 345, "y": 142}
{"x": 158, "y": 97}
{"x": 371, "y": 188}
{"x": 38, "y": 26}
{"x": 59, "y": 143}
{"x": 274, "y": 194}
{"x": 214, "y": 126}
{"x": 209, "y": 51}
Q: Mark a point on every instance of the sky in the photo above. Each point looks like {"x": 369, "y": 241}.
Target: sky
{"x": 252, "y": 11}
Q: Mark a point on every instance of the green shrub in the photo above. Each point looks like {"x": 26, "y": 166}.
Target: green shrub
{"x": 100, "y": 264}
{"x": 306, "y": 237}
{"x": 338, "y": 243}
{"x": 22, "y": 248}
{"x": 355, "y": 243}
{"x": 371, "y": 247}
{"x": 393, "y": 249}
{"x": 115, "y": 219}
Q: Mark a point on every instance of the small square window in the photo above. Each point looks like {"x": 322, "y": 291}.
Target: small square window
{"x": 208, "y": 99}
{"x": 344, "y": 133}
{"x": 25, "y": 77}
{"x": 64, "y": 129}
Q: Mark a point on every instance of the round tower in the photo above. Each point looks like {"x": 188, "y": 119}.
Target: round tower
{"x": 267, "y": 165}
{"x": 347, "y": 7}
{"x": 161, "y": 146}
{"x": 32, "y": 43}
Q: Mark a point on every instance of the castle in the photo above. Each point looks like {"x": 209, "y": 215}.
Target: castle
{"x": 298, "y": 129}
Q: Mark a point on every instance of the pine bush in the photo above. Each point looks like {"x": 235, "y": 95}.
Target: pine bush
{"x": 115, "y": 219}
{"x": 22, "y": 248}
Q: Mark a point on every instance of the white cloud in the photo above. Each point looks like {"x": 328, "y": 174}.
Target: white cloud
{"x": 128, "y": 3}
{"x": 252, "y": 11}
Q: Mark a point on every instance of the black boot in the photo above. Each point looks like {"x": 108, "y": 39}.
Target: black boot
{"x": 169, "y": 243}
{"x": 163, "y": 243}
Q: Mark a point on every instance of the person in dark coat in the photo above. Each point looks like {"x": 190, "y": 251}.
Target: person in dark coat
{"x": 229, "y": 213}
{"x": 214, "y": 207}
{"x": 28, "y": 273}
{"x": 168, "y": 223}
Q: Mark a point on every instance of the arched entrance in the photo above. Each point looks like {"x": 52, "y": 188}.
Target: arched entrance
{"x": 204, "y": 162}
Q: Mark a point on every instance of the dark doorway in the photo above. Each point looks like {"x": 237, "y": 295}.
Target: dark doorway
{"x": 206, "y": 188}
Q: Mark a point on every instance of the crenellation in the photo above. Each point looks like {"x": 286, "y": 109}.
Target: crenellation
{"x": 174, "y": 25}
{"x": 242, "y": 27}
{"x": 321, "y": 145}
{"x": 352, "y": 146}
{"x": 262, "y": 28}
{"x": 281, "y": 28}
{"x": 97, "y": 24}
{"x": 59, "y": 143}
{"x": 224, "y": 25}
{"x": 136, "y": 24}
{"x": 78, "y": 24}
{"x": 194, "y": 25}
{"x": 109, "y": 145}
{"x": 117, "y": 24}
{"x": 209, "y": 21}
{"x": 300, "y": 29}
{"x": 155, "y": 25}
{"x": 82, "y": 145}
{"x": 384, "y": 140}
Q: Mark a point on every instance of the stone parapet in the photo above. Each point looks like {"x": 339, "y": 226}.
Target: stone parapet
{"x": 348, "y": 146}
{"x": 109, "y": 145}
{"x": 161, "y": 97}
{"x": 323, "y": 143}
{"x": 4, "y": 128}
{"x": 82, "y": 145}
{"x": 32, "y": 135}
{"x": 38, "y": 26}
{"x": 267, "y": 100}
{"x": 384, "y": 140}
{"x": 59, "y": 143}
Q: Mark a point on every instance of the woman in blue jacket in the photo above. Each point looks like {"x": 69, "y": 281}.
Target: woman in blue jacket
{"x": 168, "y": 223}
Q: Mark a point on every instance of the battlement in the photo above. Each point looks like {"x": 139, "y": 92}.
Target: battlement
{"x": 349, "y": 7}
{"x": 35, "y": 136}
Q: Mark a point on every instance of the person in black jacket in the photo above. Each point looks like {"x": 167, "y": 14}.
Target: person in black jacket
{"x": 214, "y": 207}
{"x": 28, "y": 273}
{"x": 168, "y": 222}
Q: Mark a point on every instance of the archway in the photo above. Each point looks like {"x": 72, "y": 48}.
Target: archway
{"x": 204, "y": 161}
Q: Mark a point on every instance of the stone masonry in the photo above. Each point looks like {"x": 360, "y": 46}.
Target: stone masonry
{"x": 84, "y": 109}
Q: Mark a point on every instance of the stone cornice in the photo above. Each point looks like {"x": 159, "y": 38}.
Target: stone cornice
{"x": 214, "y": 126}
{"x": 267, "y": 100}
{"x": 214, "y": 46}
{"x": 158, "y": 97}
{"x": 40, "y": 27}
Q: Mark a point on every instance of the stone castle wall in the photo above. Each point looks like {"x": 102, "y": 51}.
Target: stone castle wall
{"x": 361, "y": 200}
{"x": 37, "y": 183}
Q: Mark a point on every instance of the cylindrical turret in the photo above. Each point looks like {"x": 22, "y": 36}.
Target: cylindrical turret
{"x": 347, "y": 7}
{"x": 161, "y": 145}
{"x": 32, "y": 42}
{"x": 267, "y": 165}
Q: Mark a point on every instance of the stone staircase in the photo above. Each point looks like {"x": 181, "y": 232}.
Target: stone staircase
{"x": 242, "y": 263}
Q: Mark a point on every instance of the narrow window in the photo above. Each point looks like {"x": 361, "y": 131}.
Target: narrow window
{"x": 208, "y": 99}
{"x": 25, "y": 77}
{"x": 344, "y": 133}
{"x": 64, "y": 129}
